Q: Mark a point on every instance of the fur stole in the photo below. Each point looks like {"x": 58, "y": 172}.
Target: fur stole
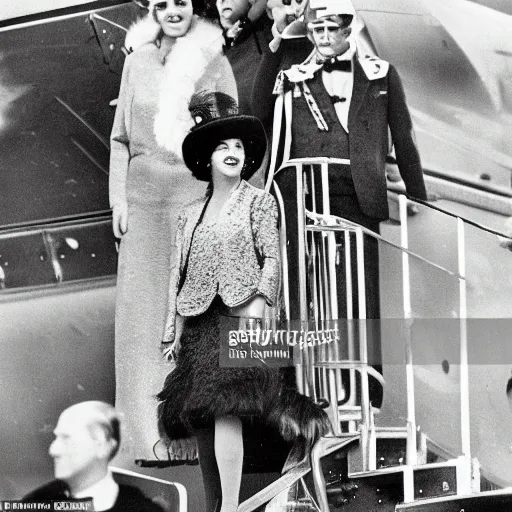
{"x": 143, "y": 31}
{"x": 184, "y": 66}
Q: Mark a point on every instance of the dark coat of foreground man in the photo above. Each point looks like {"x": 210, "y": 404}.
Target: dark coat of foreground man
{"x": 129, "y": 499}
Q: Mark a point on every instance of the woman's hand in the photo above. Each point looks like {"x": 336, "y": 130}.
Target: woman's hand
{"x": 253, "y": 308}
{"x": 171, "y": 350}
{"x": 120, "y": 219}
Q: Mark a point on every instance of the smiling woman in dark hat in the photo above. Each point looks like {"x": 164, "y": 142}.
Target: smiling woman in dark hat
{"x": 200, "y": 143}
{"x": 227, "y": 263}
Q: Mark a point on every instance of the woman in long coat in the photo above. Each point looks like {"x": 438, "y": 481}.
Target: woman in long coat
{"x": 176, "y": 53}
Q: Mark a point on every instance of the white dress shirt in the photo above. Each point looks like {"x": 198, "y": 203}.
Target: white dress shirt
{"x": 340, "y": 83}
{"x": 103, "y": 493}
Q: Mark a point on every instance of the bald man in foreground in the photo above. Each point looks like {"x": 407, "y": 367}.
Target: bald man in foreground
{"x": 87, "y": 437}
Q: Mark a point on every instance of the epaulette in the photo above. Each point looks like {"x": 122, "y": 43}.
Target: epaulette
{"x": 373, "y": 67}
{"x": 286, "y": 79}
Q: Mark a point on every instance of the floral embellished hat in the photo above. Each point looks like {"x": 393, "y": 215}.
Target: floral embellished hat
{"x": 216, "y": 118}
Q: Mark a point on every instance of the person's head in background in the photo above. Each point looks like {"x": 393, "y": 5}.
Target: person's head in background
{"x": 230, "y": 11}
{"x": 175, "y": 18}
{"x": 238, "y": 16}
{"x": 87, "y": 437}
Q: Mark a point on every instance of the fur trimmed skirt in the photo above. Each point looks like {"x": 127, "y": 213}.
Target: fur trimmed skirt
{"x": 198, "y": 389}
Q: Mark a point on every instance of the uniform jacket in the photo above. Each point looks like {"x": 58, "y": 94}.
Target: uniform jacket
{"x": 245, "y": 254}
{"x": 375, "y": 105}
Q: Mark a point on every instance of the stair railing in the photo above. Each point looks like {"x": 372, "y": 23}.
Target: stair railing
{"x": 320, "y": 370}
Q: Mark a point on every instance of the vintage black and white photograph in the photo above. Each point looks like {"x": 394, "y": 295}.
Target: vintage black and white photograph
{"x": 256, "y": 255}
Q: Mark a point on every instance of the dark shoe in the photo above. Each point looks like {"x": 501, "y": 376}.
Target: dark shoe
{"x": 163, "y": 458}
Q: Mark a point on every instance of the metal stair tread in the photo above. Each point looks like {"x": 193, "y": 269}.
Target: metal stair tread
{"x": 402, "y": 468}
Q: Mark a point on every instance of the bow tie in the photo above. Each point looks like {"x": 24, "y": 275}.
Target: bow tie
{"x": 337, "y": 65}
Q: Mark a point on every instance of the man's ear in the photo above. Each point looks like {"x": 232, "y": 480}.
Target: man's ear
{"x": 347, "y": 31}
{"x": 103, "y": 445}
{"x": 105, "y": 448}
{"x": 310, "y": 37}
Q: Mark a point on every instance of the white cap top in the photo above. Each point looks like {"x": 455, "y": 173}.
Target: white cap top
{"x": 323, "y": 8}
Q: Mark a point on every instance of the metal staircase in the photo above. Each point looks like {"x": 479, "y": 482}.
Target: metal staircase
{"x": 364, "y": 467}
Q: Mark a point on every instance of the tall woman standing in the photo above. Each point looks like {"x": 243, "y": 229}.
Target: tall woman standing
{"x": 176, "y": 52}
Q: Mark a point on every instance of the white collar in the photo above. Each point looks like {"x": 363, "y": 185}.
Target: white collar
{"x": 373, "y": 67}
{"x": 103, "y": 493}
{"x": 314, "y": 62}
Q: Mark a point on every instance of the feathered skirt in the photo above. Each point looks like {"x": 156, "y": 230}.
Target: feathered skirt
{"x": 198, "y": 389}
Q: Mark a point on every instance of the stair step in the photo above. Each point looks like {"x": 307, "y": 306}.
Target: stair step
{"x": 428, "y": 480}
{"x": 386, "y": 487}
{"x": 495, "y": 501}
{"x": 391, "y": 450}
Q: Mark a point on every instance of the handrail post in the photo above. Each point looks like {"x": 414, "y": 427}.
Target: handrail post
{"x": 464, "y": 368}
{"x": 350, "y": 322}
{"x": 303, "y": 375}
{"x": 367, "y": 433}
{"x": 331, "y": 299}
{"x": 411, "y": 453}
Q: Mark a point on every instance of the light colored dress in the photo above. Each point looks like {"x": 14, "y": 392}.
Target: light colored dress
{"x": 156, "y": 184}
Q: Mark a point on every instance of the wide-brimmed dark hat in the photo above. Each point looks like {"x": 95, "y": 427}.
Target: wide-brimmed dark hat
{"x": 216, "y": 117}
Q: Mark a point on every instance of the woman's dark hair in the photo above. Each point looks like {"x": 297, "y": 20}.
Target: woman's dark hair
{"x": 205, "y": 9}
{"x": 213, "y": 12}
{"x": 203, "y": 171}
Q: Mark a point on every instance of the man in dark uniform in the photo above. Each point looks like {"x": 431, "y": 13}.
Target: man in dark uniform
{"x": 87, "y": 437}
{"x": 342, "y": 105}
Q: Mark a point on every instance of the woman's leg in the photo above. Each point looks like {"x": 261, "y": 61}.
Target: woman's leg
{"x": 229, "y": 452}
{"x": 205, "y": 438}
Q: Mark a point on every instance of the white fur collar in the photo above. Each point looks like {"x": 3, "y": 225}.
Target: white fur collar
{"x": 185, "y": 64}
{"x": 143, "y": 31}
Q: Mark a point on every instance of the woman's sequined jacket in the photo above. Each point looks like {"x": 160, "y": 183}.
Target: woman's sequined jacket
{"x": 245, "y": 252}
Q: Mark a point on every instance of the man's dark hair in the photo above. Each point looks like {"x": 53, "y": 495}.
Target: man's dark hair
{"x": 104, "y": 418}
{"x": 346, "y": 19}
